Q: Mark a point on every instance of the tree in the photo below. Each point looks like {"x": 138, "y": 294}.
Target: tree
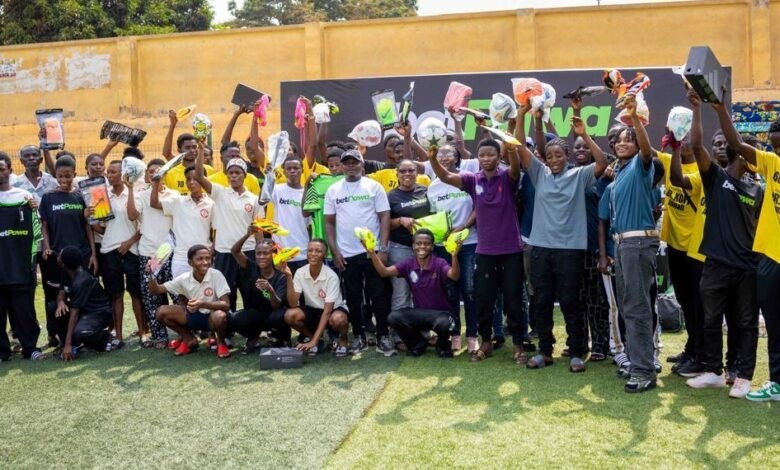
{"x": 29, "y": 21}
{"x": 286, "y": 12}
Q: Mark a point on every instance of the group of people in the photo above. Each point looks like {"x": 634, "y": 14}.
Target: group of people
{"x": 548, "y": 221}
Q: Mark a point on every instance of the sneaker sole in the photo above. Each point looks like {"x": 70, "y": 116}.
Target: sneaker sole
{"x": 702, "y": 387}
{"x": 650, "y": 386}
{"x": 761, "y": 400}
{"x": 689, "y": 375}
{"x": 387, "y": 353}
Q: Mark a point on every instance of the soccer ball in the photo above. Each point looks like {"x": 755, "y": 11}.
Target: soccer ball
{"x": 133, "y": 168}
{"x": 367, "y": 133}
{"x": 431, "y": 133}
{"x": 502, "y": 108}
{"x": 201, "y": 126}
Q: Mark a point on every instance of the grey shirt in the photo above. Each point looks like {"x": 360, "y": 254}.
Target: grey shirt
{"x": 560, "y": 218}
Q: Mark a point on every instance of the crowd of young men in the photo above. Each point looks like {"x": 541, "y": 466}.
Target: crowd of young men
{"x": 545, "y": 225}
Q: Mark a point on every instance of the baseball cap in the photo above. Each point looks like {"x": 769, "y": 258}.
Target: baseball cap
{"x": 236, "y": 162}
{"x": 351, "y": 154}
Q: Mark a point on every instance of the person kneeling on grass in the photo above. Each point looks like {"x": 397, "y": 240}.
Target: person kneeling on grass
{"x": 204, "y": 298}
{"x": 323, "y": 306}
{"x": 427, "y": 276}
{"x": 83, "y": 313}
{"x": 264, "y": 290}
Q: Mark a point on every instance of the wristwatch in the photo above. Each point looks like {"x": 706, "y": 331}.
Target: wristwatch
{"x": 382, "y": 249}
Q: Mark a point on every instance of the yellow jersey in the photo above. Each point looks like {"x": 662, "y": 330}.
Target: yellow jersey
{"x": 176, "y": 180}
{"x": 388, "y": 178}
{"x": 679, "y": 204}
{"x": 250, "y": 183}
{"x": 697, "y": 233}
{"x": 767, "y": 240}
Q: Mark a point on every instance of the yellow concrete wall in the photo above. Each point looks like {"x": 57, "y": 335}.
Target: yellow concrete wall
{"x": 135, "y": 80}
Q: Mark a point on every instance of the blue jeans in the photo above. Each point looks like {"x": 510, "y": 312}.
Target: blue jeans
{"x": 635, "y": 274}
{"x": 463, "y": 289}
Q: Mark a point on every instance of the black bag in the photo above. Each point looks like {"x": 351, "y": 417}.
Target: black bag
{"x": 670, "y": 314}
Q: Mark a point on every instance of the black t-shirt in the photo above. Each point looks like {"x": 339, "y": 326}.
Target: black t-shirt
{"x": 64, "y": 214}
{"x": 372, "y": 166}
{"x": 733, "y": 207}
{"x": 86, "y": 294}
{"x": 412, "y": 204}
{"x": 19, "y": 236}
{"x": 255, "y": 298}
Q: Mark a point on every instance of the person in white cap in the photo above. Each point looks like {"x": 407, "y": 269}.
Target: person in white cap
{"x": 235, "y": 209}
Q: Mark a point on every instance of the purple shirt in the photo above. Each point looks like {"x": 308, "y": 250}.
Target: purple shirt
{"x": 429, "y": 286}
{"x": 495, "y": 201}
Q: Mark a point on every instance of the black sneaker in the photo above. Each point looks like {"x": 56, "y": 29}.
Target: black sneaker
{"x": 358, "y": 345}
{"x": 386, "y": 347}
{"x": 639, "y": 385}
{"x": 690, "y": 369}
{"x": 623, "y": 372}
{"x": 498, "y": 342}
{"x": 444, "y": 353}
{"x": 677, "y": 358}
{"x": 681, "y": 363}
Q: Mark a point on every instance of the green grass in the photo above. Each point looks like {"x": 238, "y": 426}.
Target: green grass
{"x": 143, "y": 408}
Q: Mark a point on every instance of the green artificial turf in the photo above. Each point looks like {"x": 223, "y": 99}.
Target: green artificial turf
{"x": 137, "y": 408}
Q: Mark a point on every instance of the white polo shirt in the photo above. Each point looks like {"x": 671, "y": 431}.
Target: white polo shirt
{"x": 317, "y": 292}
{"x": 210, "y": 289}
{"x": 233, "y": 213}
{"x": 120, "y": 228}
{"x": 153, "y": 223}
{"x": 288, "y": 212}
{"x": 191, "y": 222}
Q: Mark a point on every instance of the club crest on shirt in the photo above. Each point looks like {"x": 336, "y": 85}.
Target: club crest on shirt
{"x": 208, "y": 292}
{"x": 321, "y": 294}
{"x": 479, "y": 189}
{"x": 204, "y": 213}
{"x": 248, "y": 208}
{"x": 413, "y": 277}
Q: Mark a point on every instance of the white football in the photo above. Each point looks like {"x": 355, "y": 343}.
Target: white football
{"x": 431, "y": 133}
{"x": 133, "y": 168}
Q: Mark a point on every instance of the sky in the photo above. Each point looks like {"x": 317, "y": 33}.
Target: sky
{"x": 443, "y": 7}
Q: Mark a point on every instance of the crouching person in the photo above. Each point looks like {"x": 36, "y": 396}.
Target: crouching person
{"x": 264, "y": 290}
{"x": 323, "y": 306}
{"x": 203, "y": 302}
{"x": 427, "y": 276}
{"x": 83, "y": 313}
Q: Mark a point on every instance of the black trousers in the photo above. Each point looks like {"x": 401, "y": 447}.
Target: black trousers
{"x": 733, "y": 291}
{"x": 228, "y": 266}
{"x": 503, "y": 272}
{"x": 18, "y": 307}
{"x": 360, "y": 272}
{"x": 557, "y": 273}
{"x": 686, "y": 275}
{"x": 768, "y": 280}
{"x": 91, "y": 329}
{"x": 410, "y": 323}
{"x": 593, "y": 295}
{"x": 250, "y": 322}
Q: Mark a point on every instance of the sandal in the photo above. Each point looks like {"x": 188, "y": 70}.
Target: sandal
{"x": 484, "y": 352}
{"x": 185, "y": 349}
{"x": 161, "y": 344}
{"x": 519, "y": 356}
{"x": 597, "y": 357}
{"x": 174, "y": 344}
{"x": 146, "y": 342}
{"x": 223, "y": 352}
{"x": 539, "y": 361}
{"x": 38, "y": 356}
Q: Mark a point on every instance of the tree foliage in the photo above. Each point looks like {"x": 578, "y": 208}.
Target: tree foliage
{"x": 29, "y": 21}
{"x": 286, "y": 12}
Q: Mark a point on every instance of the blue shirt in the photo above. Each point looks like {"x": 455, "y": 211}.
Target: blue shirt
{"x": 560, "y": 219}
{"x": 632, "y": 198}
{"x": 592, "y": 200}
{"x": 605, "y": 212}
{"x": 527, "y": 194}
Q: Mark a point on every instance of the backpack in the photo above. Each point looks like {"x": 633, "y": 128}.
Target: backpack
{"x": 670, "y": 314}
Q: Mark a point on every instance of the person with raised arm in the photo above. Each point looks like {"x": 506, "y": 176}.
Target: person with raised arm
{"x": 234, "y": 209}
{"x": 728, "y": 280}
{"x": 499, "y": 254}
{"x": 176, "y": 179}
{"x": 230, "y": 149}
{"x": 559, "y": 238}
{"x": 427, "y": 275}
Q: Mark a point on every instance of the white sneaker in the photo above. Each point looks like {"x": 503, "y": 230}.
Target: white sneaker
{"x": 740, "y": 389}
{"x": 707, "y": 380}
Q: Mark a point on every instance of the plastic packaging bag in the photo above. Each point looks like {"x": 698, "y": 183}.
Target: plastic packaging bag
{"x": 201, "y": 126}
{"x": 431, "y": 133}
{"x": 367, "y": 133}
{"x": 261, "y": 111}
{"x": 457, "y": 96}
{"x": 278, "y": 146}
{"x": 641, "y": 110}
{"x": 502, "y": 108}
{"x": 526, "y": 88}
{"x": 546, "y": 102}
{"x": 50, "y": 120}
{"x": 679, "y": 122}
{"x": 439, "y": 224}
{"x": 321, "y": 113}
{"x": 384, "y": 107}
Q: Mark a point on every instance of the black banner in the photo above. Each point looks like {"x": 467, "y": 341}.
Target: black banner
{"x": 353, "y": 97}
